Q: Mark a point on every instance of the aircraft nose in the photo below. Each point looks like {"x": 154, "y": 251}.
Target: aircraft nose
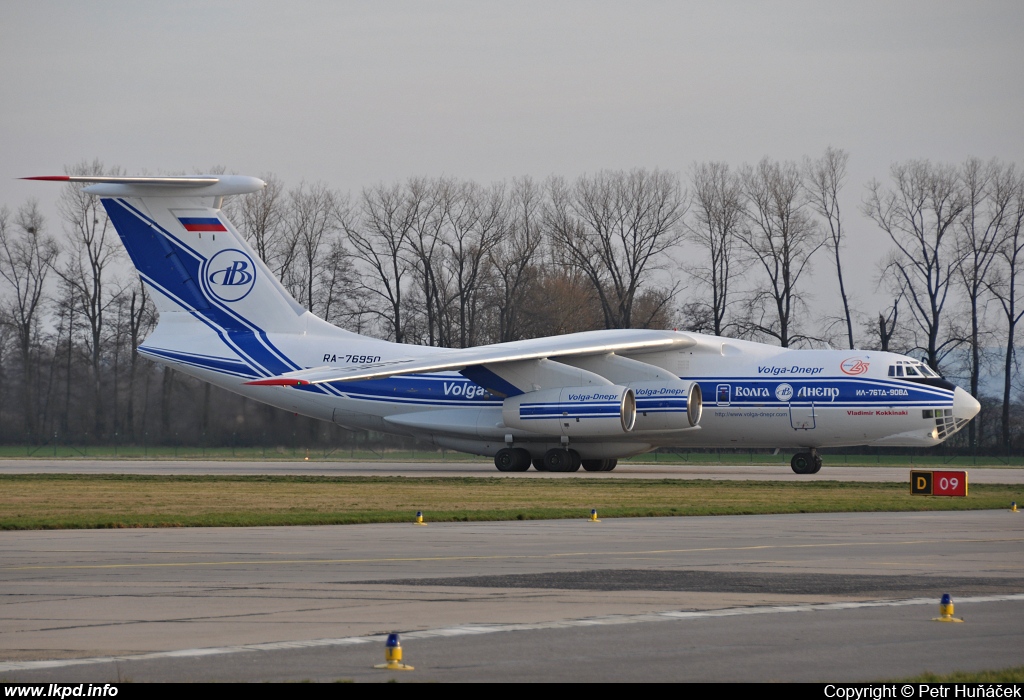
{"x": 965, "y": 406}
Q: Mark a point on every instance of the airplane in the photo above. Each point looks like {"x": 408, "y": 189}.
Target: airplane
{"x": 560, "y": 403}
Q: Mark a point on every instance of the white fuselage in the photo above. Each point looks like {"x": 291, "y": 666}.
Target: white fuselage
{"x": 754, "y": 395}
{"x": 226, "y": 319}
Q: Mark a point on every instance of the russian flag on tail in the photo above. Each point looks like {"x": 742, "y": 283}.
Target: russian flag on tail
{"x": 201, "y": 223}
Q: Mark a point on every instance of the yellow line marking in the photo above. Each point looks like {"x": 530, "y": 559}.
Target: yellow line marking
{"x": 491, "y": 557}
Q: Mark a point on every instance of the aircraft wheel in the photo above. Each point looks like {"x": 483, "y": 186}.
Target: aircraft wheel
{"x": 802, "y": 463}
{"x": 512, "y": 460}
{"x": 523, "y": 457}
{"x": 539, "y": 465}
{"x": 559, "y": 460}
{"x": 505, "y": 460}
{"x": 574, "y": 461}
{"x": 599, "y": 465}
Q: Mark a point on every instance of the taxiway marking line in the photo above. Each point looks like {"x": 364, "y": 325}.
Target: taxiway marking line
{"x": 492, "y": 557}
{"x": 471, "y": 629}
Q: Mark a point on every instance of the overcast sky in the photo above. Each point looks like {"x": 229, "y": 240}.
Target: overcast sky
{"x": 356, "y": 93}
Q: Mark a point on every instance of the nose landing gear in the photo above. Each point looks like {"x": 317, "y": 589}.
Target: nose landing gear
{"x": 806, "y": 462}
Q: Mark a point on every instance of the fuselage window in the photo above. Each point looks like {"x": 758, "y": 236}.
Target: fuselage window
{"x": 911, "y": 372}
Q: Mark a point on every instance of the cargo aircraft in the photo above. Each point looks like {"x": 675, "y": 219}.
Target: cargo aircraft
{"x": 559, "y": 403}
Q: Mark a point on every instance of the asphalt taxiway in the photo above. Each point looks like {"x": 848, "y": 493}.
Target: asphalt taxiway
{"x": 784, "y": 597}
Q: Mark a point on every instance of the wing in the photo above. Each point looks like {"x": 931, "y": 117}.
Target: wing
{"x": 573, "y": 345}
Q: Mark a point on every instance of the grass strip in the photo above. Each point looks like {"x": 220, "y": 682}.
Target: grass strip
{"x": 1006, "y": 675}
{"x": 61, "y": 501}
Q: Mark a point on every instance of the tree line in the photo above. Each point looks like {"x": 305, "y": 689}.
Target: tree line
{"x": 448, "y": 262}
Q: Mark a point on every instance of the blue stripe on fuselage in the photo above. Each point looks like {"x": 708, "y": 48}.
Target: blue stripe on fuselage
{"x": 214, "y": 364}
{"x": 821, "y": 391}
{"x": 420, "y": 389}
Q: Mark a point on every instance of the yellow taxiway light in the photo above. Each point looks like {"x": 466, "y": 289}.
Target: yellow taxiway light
{"x": 946, "y": 610}
{"x": 393, "y": 655}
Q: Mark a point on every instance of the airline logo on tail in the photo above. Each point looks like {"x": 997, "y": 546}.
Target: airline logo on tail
{"x": 230, "y": 275}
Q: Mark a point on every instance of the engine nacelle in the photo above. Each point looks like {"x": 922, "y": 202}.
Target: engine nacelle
{"x": 573, "y": 410}
{"x": 667, "y": 405}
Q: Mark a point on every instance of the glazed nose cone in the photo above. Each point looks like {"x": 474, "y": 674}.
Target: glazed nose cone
{"x": 965, "y": 406}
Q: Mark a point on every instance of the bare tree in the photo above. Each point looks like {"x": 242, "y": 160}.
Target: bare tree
{"x": 312, "y": 222}
{"x": 718, "y": 211}
{"x": 93, "y": 248}
{"x": 824, "y": 179}
{"x": 616, "y": 227}
{"x": 68, "y": 325}
{"x": 343, "y": 299}
{"x": 514, "y": 257}
{"x": 561, "y": 300}
{"x": 887, "y": 320}
{"x": 424, "y": 242}
{"x": 140, "y": 320}
{"x": 379, "y": 237}
{"x": 990, "y": 193}
{"x": 780, "y": 238}
{"x": 261, "y": 216}
{"x": 919, "y": 212}
{"x": 5, "y": 383}
{"x": 1006, "y": 288}
{"x": 475, "y": 222}
{"x": 26, "y": 256}
{"x": 884, "y": 330}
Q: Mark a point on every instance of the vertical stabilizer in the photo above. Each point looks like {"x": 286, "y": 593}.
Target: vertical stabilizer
{"x": 194, "y": 261}
{"x": 222, "y": 313}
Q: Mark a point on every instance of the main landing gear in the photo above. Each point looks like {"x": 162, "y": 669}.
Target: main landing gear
{"x": 599, "y": 465}
{"x": 806, "y": 462}
{"x": 559, "y": 459}
{"x": 512, "y": 459}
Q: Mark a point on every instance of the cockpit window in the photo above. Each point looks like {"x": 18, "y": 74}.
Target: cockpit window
{"x": 912, "y": 368}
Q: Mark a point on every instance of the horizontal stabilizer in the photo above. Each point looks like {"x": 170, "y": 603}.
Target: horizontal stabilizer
{"x": 573, "y": 345}
{"x": 197, "y": 185}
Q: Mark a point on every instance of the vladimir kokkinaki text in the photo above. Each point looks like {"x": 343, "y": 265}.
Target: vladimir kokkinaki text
{"x": 918, "y": 691}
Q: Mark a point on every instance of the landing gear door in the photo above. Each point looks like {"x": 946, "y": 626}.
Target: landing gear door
{"x": 801, "y": 416}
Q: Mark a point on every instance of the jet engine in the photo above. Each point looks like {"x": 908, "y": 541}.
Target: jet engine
{"x": 573, "y": 410}
{"x": 667, "y": 405}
